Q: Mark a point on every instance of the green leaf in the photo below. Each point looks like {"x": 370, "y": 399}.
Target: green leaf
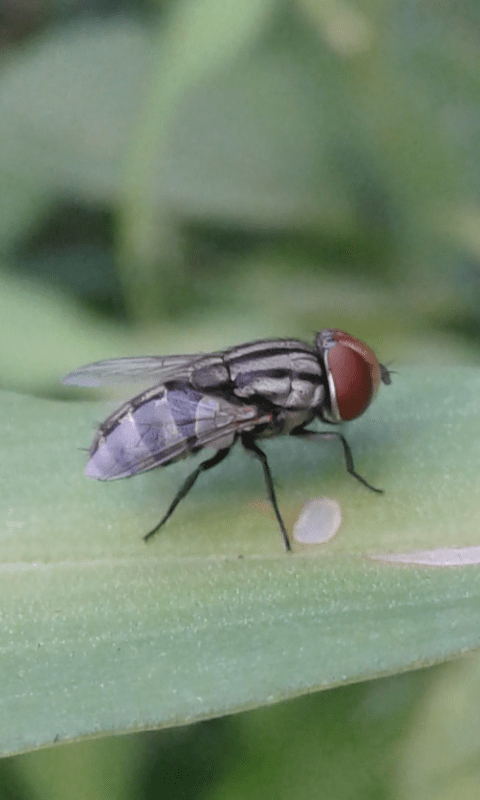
{"x": 69, "y": 105}
{"x": 47, "y": 333}
{"x": 440, "y": 757}
{"x": 102, "y": 633}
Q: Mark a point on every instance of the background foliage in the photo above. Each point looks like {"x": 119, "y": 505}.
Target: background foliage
{"x": 179, "y": 177}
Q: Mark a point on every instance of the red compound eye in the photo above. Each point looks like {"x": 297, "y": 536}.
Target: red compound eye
{"x": 355, "y": 372}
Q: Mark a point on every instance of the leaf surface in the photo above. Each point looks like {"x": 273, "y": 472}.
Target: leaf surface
{"x": 102, "y": 633}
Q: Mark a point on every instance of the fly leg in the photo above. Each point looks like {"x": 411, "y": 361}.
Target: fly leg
{"x": 251, "y": 447}
{"x": 187, "y": 485}
{"x": 315, "y": 436}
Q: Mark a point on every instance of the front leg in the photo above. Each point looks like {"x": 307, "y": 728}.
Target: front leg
{"x": 315, "y": 436}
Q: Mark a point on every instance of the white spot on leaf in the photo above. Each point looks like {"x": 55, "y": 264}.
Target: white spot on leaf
{"x": 318, "y": 521}
{"x": 441, "y": 557}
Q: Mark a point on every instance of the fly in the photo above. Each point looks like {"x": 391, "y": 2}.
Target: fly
{"x": 266, "y": 388}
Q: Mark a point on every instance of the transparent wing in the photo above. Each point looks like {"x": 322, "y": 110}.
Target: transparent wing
{"x": 168, "y": 426}
{"x": 219, "y": 438}
{"x": 156, "y": 369}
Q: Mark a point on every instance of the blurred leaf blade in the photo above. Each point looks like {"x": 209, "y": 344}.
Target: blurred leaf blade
{"x": 67, "y": 120}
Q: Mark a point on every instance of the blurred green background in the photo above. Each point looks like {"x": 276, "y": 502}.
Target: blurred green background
{"x": 187, "y": 175}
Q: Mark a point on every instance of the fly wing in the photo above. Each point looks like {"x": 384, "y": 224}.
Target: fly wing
{"x": 158, "y": 428}
{"x": 153, "y": 369}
